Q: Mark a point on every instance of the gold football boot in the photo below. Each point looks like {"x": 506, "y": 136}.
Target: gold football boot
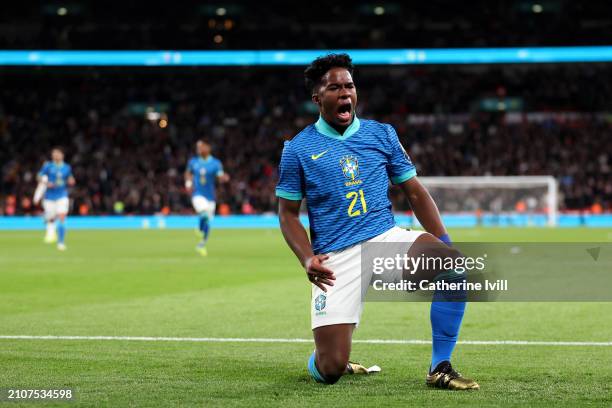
{"x": 445, "y": 377}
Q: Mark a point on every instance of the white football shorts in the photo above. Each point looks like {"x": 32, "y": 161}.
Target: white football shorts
{"x": 53, "y": 208}
{"x": 343, "y": 302}
{"x": 203, "y": 206}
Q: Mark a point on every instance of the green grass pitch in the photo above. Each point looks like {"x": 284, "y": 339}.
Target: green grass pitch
{"x": 152, "y": 283}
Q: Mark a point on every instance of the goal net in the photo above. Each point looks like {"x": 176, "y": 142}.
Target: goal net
{"x": 497, "y": 200}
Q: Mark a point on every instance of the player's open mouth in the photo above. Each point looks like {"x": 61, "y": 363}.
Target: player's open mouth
{"x": 345, "y": 112}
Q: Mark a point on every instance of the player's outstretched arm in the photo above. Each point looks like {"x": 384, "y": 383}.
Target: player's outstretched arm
{"x": 188, "y": 180}
{"x": 297, "y": 239}
{"x": 41, "y": 188}
{"x": 423, "y": 207}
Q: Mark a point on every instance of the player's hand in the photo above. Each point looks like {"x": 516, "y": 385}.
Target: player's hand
{"x": 318, "y": 274}
{"x": 50, "y": 185}
{"x": 224, "y": 178}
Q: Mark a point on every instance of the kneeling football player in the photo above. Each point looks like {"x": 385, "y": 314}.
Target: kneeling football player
{"x": 342, "y": 166}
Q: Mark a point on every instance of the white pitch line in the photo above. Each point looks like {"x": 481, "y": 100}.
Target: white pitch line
{"x": 278, "y": 340}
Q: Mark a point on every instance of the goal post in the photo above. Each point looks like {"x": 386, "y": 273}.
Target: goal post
{"x": 496, "y": 195}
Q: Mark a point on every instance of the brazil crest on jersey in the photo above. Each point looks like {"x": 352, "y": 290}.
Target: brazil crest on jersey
{"x": 345, "y": 180}
{"x": 58, "y": 174}
{"x": 205, "y": 173}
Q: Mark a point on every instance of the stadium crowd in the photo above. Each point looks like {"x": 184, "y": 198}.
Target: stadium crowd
{"x": 130, "y": 159}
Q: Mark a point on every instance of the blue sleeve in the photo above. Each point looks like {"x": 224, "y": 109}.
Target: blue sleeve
{"x": 290, "y": 179}
{"x": 219, "y": 168}
{"x": 400, "y": 167}
{"x": 189, "y": 167}
{"x": 44, "y": 169}
{"x": 69, "y": 172}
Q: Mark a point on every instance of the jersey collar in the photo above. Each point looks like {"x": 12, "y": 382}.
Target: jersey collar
{"x": 325, "y": 129}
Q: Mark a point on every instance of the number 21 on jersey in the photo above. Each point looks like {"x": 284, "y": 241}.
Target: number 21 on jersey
{"x": 354, "y": 196}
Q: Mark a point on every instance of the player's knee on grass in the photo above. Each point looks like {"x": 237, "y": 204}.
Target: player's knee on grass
{"x": 332, "y": 366}
{"x": 333, "y": 351}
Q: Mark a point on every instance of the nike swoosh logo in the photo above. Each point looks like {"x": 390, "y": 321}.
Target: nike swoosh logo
{"x": 316, "y": 156}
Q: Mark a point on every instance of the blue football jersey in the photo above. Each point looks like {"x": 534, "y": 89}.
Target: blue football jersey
{"x": 205, "y": 172}
{"x": 58, "y": 174}
{"x": 345, "y": 180}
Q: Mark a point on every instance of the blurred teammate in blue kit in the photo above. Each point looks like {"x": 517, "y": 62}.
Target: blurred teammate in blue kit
{"x": 202, "y": 172}
{"x": 54, "y": 178}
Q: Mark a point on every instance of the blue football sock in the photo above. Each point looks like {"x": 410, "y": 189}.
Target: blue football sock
{"x": 204, "y": 226}
{"x": 446, "y": 314}
{"x": 312, "y": 369}
{"x": 61, "y": 232}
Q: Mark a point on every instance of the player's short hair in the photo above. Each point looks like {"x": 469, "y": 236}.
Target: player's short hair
{"x": 204, "y": 141}
{"x": 59, "y": 149}
{"x": 319, "y": 67}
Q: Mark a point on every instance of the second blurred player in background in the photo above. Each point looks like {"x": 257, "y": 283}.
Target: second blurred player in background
{"x": 53, "y": 180}
{"x": 202, "y": 172}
